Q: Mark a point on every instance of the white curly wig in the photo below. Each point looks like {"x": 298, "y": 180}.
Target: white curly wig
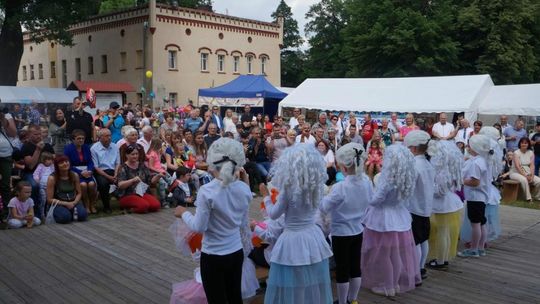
{"x": 399, "y": 170}
{"x": 300, "y": 174}
{"x": 495, "y": 163}
{"x": 447, "y": 161}
{"x": 416, "y": 138}
{"x": 490, "y": 150}
{"x": 352, "y": 155}
{"x": 226, "y": 156}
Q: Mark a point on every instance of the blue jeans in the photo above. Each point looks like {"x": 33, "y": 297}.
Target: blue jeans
{"x": 38, "y": 204}
{"x": 264, "y": 168}
{"x": 63, "y": 215}
{"x": 536, "y": 164}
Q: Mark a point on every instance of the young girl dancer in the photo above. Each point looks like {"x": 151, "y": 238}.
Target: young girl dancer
{"x": 222, "y": 217}
{"x": 421, "y": 202}
{"x": 389, "y": 258}
{"x": 347, "y": 203}
{"x": 298, "y": 274}
{"x": 446, "y": 218}
{"x": 476, "y": 180}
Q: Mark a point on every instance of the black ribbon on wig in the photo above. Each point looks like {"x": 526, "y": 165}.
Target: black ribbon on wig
{"x": 225, "y": 158}
{"x": 491, "y": 152}
{"x": 357, "y": 155}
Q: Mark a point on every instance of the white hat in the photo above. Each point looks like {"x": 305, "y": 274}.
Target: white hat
{"x": 416, "y": 138}
{"x": 480, "y": 144}
{"x": 490, "y": 132}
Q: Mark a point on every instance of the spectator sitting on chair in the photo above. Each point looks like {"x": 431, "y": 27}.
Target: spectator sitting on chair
{"x": 212, "y": 135}
{"x": 106, "y": 160}
{"x": 64, "y": 190}
{"x": 523, "y": 169}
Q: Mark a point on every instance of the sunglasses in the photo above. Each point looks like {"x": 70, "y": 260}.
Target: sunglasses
{"x": 131, "y": 148}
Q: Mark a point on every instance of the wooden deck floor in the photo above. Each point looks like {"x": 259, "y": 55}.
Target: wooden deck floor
{"x": 132, "y": 259}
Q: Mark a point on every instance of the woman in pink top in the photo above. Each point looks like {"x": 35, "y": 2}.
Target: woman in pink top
{"x": 154, "y": 165}
{"x": 409, "y": 126}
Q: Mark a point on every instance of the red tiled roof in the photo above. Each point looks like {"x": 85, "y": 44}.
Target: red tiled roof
{"x": 100, "y": 86}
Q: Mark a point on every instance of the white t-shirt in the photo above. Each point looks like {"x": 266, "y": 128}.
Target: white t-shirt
{"x": 309, "y": 140}
{"x": 476, "y": 167}
{"x": 443, "y": 130}
{"x": 293, "y": 122}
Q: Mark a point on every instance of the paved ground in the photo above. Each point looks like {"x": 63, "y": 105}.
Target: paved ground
{"x": 132, "y": 259}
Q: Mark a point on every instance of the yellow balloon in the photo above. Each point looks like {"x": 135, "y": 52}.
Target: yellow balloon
{"x": 149, "y": 74}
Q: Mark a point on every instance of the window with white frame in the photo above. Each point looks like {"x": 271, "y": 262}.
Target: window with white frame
{"x": 123, "y": 61}
{"x": 249, "y": 64}
{"x": 172, "y": 60}
{"x": 172, "y": 98}
{"x": 204, "y": 62}
{"x": 24, "y": 73}
{"x": 264, "y": 60}
{"x": 236, "y": 65}
{"x": 32, "y": 72}
{"x": 78, "y": 68}
{"x": 53, "y": 69}
{"x": 221, "y": 63}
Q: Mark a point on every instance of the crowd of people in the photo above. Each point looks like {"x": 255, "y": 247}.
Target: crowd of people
{"x": 385, "y": 198}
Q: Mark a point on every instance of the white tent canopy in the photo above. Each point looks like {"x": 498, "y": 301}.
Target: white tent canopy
{"x": 523, "y": 99}
{"x": 412, "y": 94}
{"x": 10, "y": 94}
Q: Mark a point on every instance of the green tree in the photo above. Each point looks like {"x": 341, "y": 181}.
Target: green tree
{"x": 44, "y": 20}
{"x": 292, "y": 59}
{"x": 326, "y": 21}
{"x": 400, "y": 38}
{"x": 501, "y": 38}
{"x": 108, "y": 6}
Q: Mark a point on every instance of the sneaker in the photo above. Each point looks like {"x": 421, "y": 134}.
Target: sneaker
{"x": 482, "y": 252}
{"x": 468, "y": 253}
{"x": 383, "y": 292}
{"x": 434, "y": 265}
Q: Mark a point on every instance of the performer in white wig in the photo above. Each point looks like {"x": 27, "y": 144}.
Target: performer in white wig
{"x": 389, "y": 256}
{"x": 299, "y": 271}
{"x": 446, "y": 218}
{"x": 476, "y": 179}
{"x": 421, "y": 202}
{"x": 347, "y": 203}
{"x": 493, "y": 225}
{"x": 222, "y": 217}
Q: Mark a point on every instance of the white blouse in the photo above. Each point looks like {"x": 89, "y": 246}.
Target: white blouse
{"x": 347, "y": 203}
{"x": 421, "y": 201}
{"x": 476, "y": 167}
{"x": 385, "y": 212}
{"x": 220, "y": 215}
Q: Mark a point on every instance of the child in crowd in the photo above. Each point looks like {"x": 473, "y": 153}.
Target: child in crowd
{"x": 154, "y": 165}
{"x": 389, "y": 258}
{"x": 45, "y": 135}
{"x": 21, "y": 207}
{"x": 374, "y": 158}
{"x": 299, "y": 174}
{"x": 446, "y": 218}
{"x": 347, "y": 203}
{"x": 181, "y": 192}
{"x": 41, "y": 175}
{"x": 421, "y": 202}
{"x": 476, "y": 180}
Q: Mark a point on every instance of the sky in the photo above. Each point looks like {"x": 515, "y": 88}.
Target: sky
{"x": 262, "y": 9}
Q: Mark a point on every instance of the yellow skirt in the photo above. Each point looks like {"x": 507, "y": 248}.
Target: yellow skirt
{"x": 444, "y": 235}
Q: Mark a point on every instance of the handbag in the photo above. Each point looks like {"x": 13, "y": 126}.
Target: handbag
{"x": 49, "y": 219}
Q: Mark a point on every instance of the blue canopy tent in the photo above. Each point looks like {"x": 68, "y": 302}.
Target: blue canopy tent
{"x": 253, "y": 90}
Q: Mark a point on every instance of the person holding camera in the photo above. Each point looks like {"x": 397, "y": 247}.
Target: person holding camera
{"x": 78, "y": 119}
{"x": 114, "y": 121}
{"x": 31, "y": 153}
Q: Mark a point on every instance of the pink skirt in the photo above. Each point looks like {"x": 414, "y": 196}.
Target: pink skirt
{"x": 188, "y": 292}
{"x": 390, "y": 263}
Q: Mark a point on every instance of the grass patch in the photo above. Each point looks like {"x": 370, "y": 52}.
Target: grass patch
{"x": 523, "y": 204}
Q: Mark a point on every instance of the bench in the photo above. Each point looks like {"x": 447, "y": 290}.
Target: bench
{"x": 510, "y": 190}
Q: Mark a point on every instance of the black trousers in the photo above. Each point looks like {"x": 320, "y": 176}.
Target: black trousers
{"x": 222, "y": 277}
{"x": 347, "y": 256}
{"x": 103, "y": 186}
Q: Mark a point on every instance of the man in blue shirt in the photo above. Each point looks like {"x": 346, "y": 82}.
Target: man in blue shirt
{"x": 114, "y": 122}
{"x": 106, "y": 158}
{"x": 193, "y": 122}
{"x": 513, "y": 135}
